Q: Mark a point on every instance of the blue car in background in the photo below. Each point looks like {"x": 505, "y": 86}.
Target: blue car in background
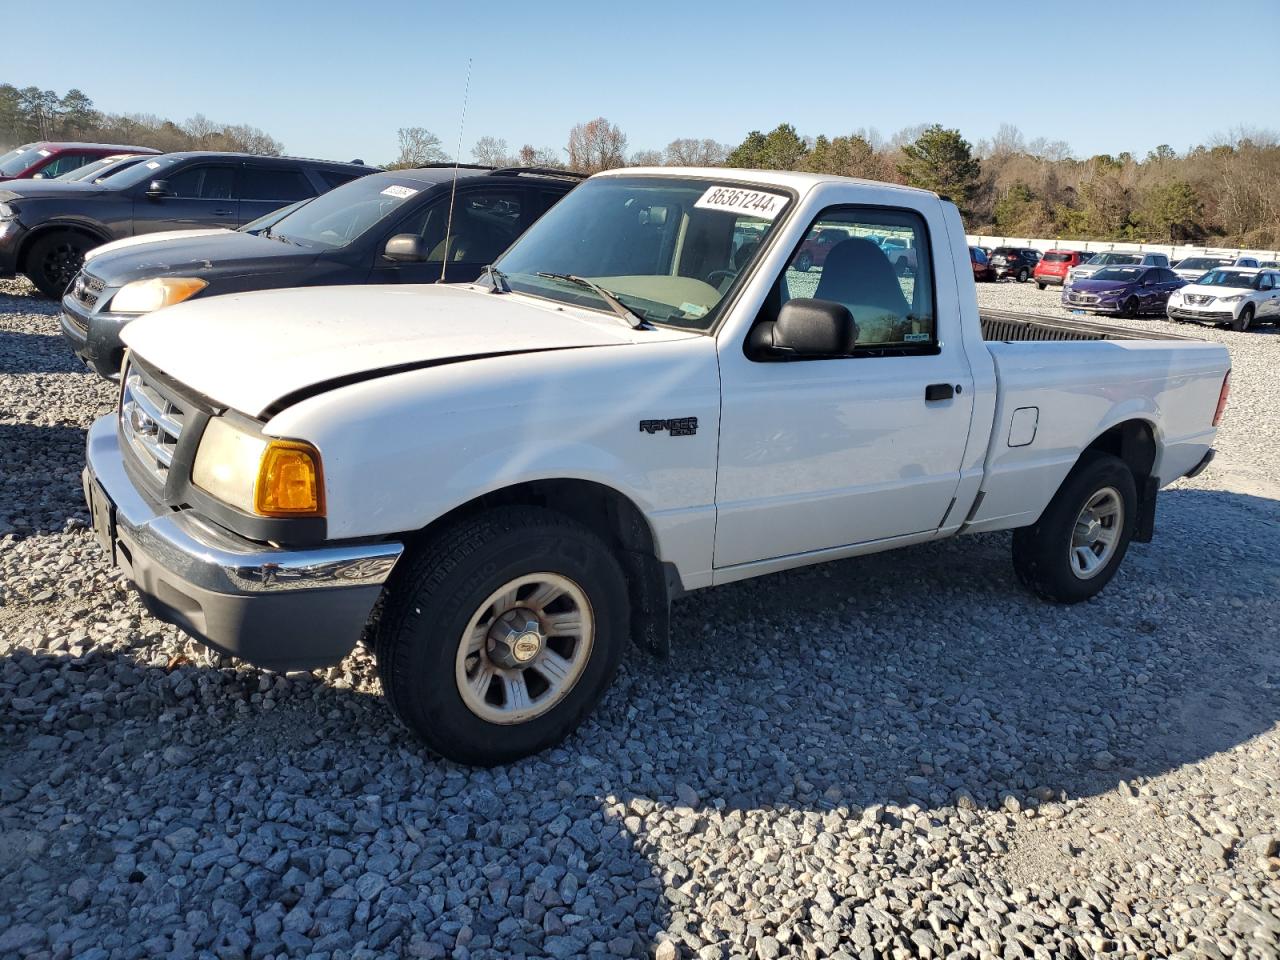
{"x": 1125, "y": 291}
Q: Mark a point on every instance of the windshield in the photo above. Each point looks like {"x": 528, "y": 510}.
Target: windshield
{"x": 1202, "y": 263}
{"x": 1104, "y": 258}
{"x": 337, "y": 218}
{"x": 1053, "y": 257}
{"x": 154, "y": 169}
{"x": 667, "y": 247}
{"x": 1227, "y": 278}
{"x": 15, "y": 161}
{"x": 271, "y": 219}
{"x": 1126, "y": 274}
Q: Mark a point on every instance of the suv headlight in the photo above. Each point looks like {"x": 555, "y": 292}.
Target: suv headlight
{"x": 258, "y": 474}
{"x": 144, "y": 296}
{"x": 1236, "y": 299}
{"x": 7, "y": 213}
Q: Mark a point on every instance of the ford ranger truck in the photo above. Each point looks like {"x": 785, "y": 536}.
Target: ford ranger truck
{"x": 505, "y": 481}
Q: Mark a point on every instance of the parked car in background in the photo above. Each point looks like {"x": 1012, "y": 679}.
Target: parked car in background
{"x": 1123, "y": 290}
{"x": 1239, "y": 297}
{"x": 383, "y": 228}
{"x": 101, "y": 169}
{"x": 901, "y": 253}
{"x": 981, "y": 263}
{"x": 813, "y": 252}
{"x": 1016, "y": 262}
{"x": 1055, "y": 265}
{"x": 1269, "y": 264}
{"x": 47, "y": 159}
{"x": 1115, "y": 258}
{"x": 1193, "y": 268}
{"x": 47, "y": 226}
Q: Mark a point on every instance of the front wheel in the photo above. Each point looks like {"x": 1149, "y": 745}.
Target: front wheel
{"x": 54, "y": 260}
{"x": 1241, "y": 323}
{"x": 1129, "y": 308}
{"x": 1074, "y": 549}
{"x": 501, "y": 634}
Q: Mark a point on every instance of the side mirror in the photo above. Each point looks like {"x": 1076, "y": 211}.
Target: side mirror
{"x": 406, "y": 248}
{"x": 159, "y": 188}
{"x": 807, "y": 329}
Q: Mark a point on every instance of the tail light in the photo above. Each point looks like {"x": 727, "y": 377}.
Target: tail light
{"x": 1222, "y": 399}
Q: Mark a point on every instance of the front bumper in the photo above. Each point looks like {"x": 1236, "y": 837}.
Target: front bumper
{"x": 11, "y": 234}
{"x": 94, "y": 337}
{"x": 278, "y": 608}
{"x": 1201, "y": 316}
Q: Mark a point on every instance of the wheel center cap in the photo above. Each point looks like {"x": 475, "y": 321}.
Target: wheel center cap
{"x": 526, "y": 647}
{"x": 515, "y": 639}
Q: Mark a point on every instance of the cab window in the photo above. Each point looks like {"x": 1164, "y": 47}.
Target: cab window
{"x": 879, "y": 269}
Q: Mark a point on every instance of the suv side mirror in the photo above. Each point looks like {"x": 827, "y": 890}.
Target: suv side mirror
{"x": 159, "y": 188}
{"x": 806, "y": 329}
{"x": 406, "y": 248}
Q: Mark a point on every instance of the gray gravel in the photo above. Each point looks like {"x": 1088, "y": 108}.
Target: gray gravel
{"x": 897, "y": 756}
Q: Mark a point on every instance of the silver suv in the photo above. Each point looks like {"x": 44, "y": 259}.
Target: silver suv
{"x": 1116, "y": 258}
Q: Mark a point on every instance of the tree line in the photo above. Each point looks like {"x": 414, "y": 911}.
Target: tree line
{"x": 1223, "y": 192}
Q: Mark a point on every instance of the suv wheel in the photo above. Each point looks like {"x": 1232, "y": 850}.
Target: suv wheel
{"x": 502, "y": 633}
{"x": 804, "y": 262}
{"x": 1023, "y": 275}
{"x": 1076, "y": 546}
{"x": 1241, "y": 323}
{"x": 54, "y": 260}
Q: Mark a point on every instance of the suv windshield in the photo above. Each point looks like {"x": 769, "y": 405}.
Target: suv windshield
{"x": 1227, "y": 278}
{"x": 1116, "y": 258}
{"x": 1127, "y": 274}
{"x": 15, "y": 161}
{"x": 668, "y": 247}
{"x": 153, "y": 169}
{"x": 337, "y": 218}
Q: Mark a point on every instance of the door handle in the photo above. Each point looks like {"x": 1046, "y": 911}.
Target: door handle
{"x": 939, "y": 391}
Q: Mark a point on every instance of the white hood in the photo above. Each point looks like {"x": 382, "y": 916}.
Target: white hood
{"x": 248, "y": 350}
{"x": 115, "y": 245}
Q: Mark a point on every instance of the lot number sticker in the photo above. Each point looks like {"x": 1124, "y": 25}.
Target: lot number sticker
{"x": 395, "y": 190}
{"x": 752, "y": 203}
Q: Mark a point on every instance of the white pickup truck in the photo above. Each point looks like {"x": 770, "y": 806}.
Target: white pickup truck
{"x": 506, "y": 481}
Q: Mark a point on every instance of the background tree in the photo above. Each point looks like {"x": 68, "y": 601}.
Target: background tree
{"x": 418, "y": 146}
{"x": 941, "y": 160}
{"x": 529, "y": 156}
{"x": 493, "y": 152}
{"x": 1169, "y": 211}
{"x": 689, "y": 152}
{"x": 780, "y": 149}
{"x": 646, "y": 158}
{"x": 851, "y": 156}
{"x": 597, "y": 145}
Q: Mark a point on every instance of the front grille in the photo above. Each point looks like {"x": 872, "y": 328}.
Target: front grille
{"x": 150, "y": 422}
{"x": 1081, "y": 298}
{"x": 1197, "y": 298}
{"x": 87, "y": 289}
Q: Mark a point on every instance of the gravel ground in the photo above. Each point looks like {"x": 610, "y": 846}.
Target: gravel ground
{"x": 897, "y": 756}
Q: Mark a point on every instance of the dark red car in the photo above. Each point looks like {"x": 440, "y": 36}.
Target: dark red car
{"x": 1055, "y": 266}
{"x": 982, "y": 269}
{"x": 48, "y": 159}
{"x": 813, "y": 252}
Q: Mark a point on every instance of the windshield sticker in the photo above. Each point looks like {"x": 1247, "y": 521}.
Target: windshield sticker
{"x": 44, "y": 153}
{"x": 752, "y": 203}
{"x": 693, "y": 309}
{"x": 395, "y": 190}
{"x": 153, "y": 165}
{"x": 915, "y": 338}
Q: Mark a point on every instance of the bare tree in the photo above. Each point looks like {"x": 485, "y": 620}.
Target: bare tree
{"x": 646, "y": 158}
{"x": 418, "y": 145}
{"x": 529, "y": 156}
{"x": 597, "y": 145}
{"x": 492, "y": 152}
{"x": 688, "y": 152}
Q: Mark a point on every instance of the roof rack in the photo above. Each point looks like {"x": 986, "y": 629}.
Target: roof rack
{"x": 542, "y": 172}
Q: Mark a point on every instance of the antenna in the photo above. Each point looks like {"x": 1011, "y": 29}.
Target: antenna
{"x": 457, "y": 161}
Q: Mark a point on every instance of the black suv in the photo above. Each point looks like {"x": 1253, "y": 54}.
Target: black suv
{"x": 385, "y": 228}
{"x": 1016, "y": 262}
{"x": 46, "y": 226}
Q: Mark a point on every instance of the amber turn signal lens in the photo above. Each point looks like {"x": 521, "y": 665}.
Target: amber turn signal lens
{"x": 289, "y": 481}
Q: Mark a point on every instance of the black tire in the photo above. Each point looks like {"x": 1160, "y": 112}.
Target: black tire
{"x": 1242, "y": 323}
{"x": 1023, "y": 275}
{"x": 804, "y": 262}
{"x": 1041, "y": 285}
{"x": 1042, "y": 551}
{"x": 54, "y": 259}
{"x": 437, "y": 590}
{"x": 1130, "y": 308}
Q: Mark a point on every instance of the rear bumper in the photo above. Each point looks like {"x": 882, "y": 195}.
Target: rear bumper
{"x": 278, "y": 608}
{"x": 1199, "y": 468}
{"x": 1048, "y": 278}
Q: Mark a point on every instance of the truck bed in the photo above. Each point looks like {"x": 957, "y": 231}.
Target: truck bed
{"x": 1007, "y": 326}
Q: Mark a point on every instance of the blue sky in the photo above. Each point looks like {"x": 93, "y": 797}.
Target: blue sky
{"x": 336, "y": 80}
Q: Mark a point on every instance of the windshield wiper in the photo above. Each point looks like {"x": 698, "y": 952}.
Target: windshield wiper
{"x": 497, "y": 279}
{"x": 616, "y": 305}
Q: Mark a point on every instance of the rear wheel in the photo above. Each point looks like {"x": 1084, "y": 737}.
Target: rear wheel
{"x": 502, "y": 634}
{"x": 1241, "y": 323}
{"x": 54, "y": 260}
{"x": 804, "y": 262}
{"x": 1041, "y": 285}
{"x": 1023, "y": 275}
{"x": 1076, "y": 546}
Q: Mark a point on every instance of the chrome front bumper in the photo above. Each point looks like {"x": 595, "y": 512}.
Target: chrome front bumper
{"x": 279, "y": 608}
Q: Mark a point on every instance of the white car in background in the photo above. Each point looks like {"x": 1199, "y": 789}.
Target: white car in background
{"x": 1115, "y": 258}
{"x": 1239, "y": 296}
{"x": 1192, "y": 269}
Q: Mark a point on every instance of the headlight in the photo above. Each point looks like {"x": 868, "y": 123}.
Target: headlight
{"x": 257, "y": 474}
{"x": 143, "y": 296}
{"x": 1236, "y": 299}
{"x": 7, "y": 213}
